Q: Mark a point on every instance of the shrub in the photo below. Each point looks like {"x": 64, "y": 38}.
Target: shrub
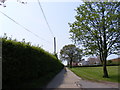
{"x": 23, "y": 62}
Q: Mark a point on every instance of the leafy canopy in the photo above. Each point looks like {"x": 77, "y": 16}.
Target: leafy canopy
{"x": 97, "y": 27}
{"x": 70, "y": 52}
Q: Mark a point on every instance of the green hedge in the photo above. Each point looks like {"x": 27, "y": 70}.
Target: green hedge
{"x": 22, "y": 62}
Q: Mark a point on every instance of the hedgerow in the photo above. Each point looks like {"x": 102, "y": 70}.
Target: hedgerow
{"x": 22, "y": 62}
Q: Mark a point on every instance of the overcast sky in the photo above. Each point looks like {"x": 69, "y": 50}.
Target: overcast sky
{"x": 30, "y": 16}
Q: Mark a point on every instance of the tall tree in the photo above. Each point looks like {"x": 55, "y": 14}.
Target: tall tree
{"x": 70, "y": 53}
{"x": 97, "y": 29}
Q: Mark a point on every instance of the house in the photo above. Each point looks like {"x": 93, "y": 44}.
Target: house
{"x": 94, "y": 61}
{"x": 83, "y": 63}
{"x": 115, "y": 60}
{"x": 74, "y": 64}
{"x": 89, "y": 61}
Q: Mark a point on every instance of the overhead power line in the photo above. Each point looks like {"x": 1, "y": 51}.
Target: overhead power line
{"x": 24, "y": 27}
{"x": 45, "y": 18}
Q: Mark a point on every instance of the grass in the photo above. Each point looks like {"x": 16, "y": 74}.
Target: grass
{"x": 96, "y": 73}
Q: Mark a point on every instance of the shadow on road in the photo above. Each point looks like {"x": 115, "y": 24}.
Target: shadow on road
{"x": 0, "y": 74}
{"x": 58, "y": 79}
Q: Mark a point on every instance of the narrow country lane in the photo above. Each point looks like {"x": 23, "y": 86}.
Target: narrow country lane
{"x": 67, "y": 79}
{"x": 0, "y": 74}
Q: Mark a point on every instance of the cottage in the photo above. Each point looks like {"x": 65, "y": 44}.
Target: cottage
{"x": 83, "y": 63}
{"x": 94, "y": 61}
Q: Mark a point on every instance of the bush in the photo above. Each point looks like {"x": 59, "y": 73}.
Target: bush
{"x": 22, "y": 62}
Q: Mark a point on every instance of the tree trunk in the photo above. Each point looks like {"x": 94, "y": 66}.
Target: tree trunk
{"x": 71, "y": 63}
{"x": 68, "y": 64}
{"x": 104, "y": 54}
{"x": 105, "y": 72}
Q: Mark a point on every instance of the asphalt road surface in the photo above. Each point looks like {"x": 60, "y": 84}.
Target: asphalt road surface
{"x": 67, "y": 79}
{"x": 0, "y": 74}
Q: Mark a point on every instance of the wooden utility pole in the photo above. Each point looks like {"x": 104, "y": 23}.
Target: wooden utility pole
{"x": 54, "y": 45}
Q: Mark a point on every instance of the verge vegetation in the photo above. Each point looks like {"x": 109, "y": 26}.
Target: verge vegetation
{"x": 95, "y": 73}
{"x": 24, "y": 65}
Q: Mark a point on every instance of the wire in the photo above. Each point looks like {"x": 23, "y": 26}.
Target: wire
{"x": 24, "y": 27}
{"x": 45, "y": 18}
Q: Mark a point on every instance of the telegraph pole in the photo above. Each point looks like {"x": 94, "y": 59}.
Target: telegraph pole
{"x": 55, "y": 48}
{"x": 54, "y": 45}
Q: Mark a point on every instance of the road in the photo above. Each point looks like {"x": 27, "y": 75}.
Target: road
{"x": 67, "y": 79}
{"x": 0, "y": 74}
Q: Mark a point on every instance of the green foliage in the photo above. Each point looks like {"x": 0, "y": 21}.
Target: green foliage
{"x": 97, "y": 27}
{"x": 95, "y": 73}
{"x": 71, "y": 53}
{"x": 22, "y": 63}
{"x": 109, "y": 62}
{"x": 56, "y": 55}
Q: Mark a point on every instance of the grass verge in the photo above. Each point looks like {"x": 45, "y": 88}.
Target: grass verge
{"x": 96, "y": 73}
